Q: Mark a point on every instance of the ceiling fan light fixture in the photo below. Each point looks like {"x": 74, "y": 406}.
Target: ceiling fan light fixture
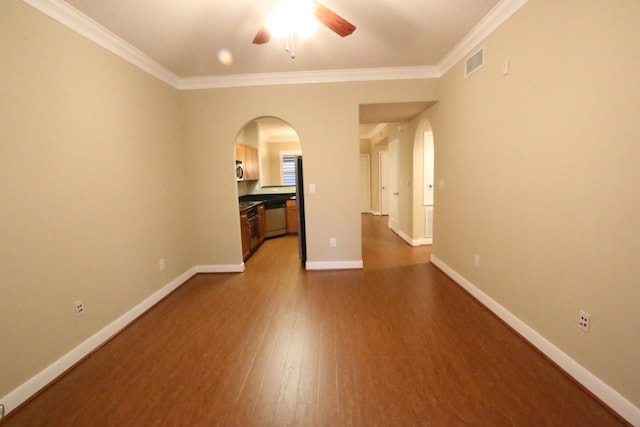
{"x": 292, "y": 16}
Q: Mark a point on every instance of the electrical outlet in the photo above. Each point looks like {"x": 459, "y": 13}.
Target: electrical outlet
{"x": 332, "y": 242}
{"x": 162, "y": 264}
{"x": 476, "y": 261}
{"x": 584, "y": 321}
{"x": 79, "y": 307}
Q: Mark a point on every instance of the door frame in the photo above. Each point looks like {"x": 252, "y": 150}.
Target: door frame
{"x": 394, "y": 185}
{"x": 382, "y": 173}
{"x": 365, "y": 179}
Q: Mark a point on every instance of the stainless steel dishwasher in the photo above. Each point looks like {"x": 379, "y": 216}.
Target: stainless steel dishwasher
{"x": 276, "y": 218}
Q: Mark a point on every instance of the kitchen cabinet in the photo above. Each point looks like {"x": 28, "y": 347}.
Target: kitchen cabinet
{"x": 262, "y": 221}
{"x": 240, "y": 149}
{"x": 245, "y": 232}
{"x": 249, "y": 157}
{"x": 292, "y": 216}
{"x": 251, "y": 162}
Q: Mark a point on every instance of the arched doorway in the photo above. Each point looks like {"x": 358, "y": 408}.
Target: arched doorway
{"x": 423, "y": 177}
{"x": 269, "y": 157}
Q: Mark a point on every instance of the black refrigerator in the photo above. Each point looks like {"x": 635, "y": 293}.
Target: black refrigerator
{"x": 302, "y": 235}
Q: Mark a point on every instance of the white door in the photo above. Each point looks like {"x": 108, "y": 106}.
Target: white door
{"x": 428, "y": 169}
{"x": 365, "y": 188}
{"x": 394, "y": 198}
{"x": 384, "y": 183}
{"x": 428, "y": 183}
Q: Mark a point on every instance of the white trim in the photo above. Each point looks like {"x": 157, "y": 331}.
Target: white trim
{"x": 305, "y": 77}
{"x": 230, "y": 268}
{"x": 496, "y": 17}
{"x": 608, "y": 395}
{"x": 90, "y": 29}
{"x": 368, "y": 189}
{"x": 422, "y": 242}
{"x": 333, "y": 265}
{"x": 57, "y": 368}
{"x": 376, "y": 213}
{"x": 414, "y": 242}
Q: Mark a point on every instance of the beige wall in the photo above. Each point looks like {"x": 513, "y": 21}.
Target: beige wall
{"x": 92, "y": 188}
{"x": 213, "y": 118}
{"x": 541, "y": 178}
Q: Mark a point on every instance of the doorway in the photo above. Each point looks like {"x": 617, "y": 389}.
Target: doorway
{"x": 429, "y": 187}
{"x": 394, "y": 197}
{"x": 269, "y": 150}
{"x": 394, "y": 134}
{"x": 384, "y": 183}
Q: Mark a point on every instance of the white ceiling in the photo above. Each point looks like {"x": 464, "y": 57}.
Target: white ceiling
{"x": 186, "y": 36}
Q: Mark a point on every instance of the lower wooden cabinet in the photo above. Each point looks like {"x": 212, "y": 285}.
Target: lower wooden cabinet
{"x": 292, "y": 216}
{"x": 247, "y": 228}
{"x": 246, "y": 235}
{"x": 262, "y": 222}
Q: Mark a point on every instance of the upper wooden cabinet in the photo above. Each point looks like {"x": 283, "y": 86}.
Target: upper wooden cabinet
{"x": 249, "y": 157}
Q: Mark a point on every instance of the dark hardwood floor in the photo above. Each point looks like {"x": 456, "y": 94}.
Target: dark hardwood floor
{"x": 395, "y": 344}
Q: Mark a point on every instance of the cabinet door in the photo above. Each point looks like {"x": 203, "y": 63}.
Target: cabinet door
{"x": 249, "y": 157}
{"x": 292, "y": 217}
{"x": 246, "y": 235}
{"x": 251, "y": 161}
{"x": 262, "y": 222}
{"x": 240, "y": 152}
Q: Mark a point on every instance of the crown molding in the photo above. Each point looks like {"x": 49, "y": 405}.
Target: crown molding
{"x": 496, "y": 17}
{"x": 90, "y": 29}
{"x": 85, "y": 26}
{"x": 305, "y": 77}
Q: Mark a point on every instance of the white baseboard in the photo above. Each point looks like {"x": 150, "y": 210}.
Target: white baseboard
{"x": 415, "y": 242}
{"x": 376, "y": 213}
{"x": 594, "y": 384}
{"x": 333, "y": 265}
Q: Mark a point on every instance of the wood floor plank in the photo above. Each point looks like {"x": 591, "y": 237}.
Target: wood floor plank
{"x": 396, "y": 343}
{"x": 328, "y": 407}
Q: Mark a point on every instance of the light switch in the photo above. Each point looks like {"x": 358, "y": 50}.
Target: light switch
{"x": 506, "y": 67}
{"x": 312, "y": 188}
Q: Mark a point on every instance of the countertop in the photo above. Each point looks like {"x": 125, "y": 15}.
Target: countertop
{"x": 246, "y": 205}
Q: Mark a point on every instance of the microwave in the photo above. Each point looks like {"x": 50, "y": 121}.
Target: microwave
{"x": 239, "y": 170}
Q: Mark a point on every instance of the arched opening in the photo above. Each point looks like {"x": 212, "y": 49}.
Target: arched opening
{"x": 423, "y": 178}
{"x": 268, "y": 154}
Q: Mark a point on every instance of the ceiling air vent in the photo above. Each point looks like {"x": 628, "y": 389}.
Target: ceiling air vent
{"x": 474, "y": 63}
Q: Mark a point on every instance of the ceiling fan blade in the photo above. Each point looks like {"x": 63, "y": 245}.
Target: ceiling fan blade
{"x": 263, "y": 36}
{"x": 333, "y": 21}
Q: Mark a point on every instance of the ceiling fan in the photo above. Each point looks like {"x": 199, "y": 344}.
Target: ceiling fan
{"x": 291, "y": 15}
